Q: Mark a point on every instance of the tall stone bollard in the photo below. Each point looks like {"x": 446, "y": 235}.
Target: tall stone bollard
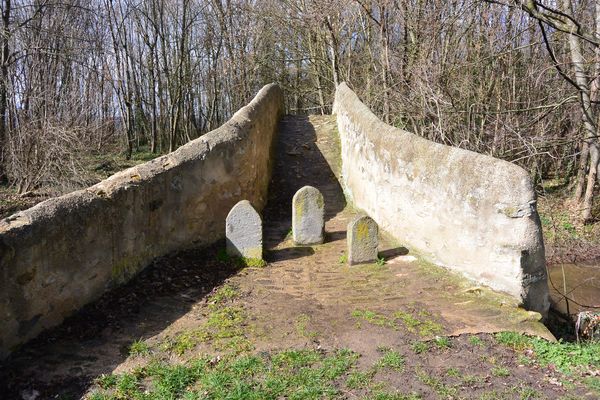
{"x": 243, "y": 231}
{"x": 308, "y": 216}
{"x": 362, "y": 240}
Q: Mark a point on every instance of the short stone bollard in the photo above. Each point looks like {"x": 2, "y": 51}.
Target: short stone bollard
{"x": 308, "y": 216}
{"x": 362, "y": 240}
{"x": 243, "y": 231}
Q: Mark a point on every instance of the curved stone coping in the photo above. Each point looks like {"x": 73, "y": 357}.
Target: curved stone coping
{"x": 464, "y": 210}
{"x": 65, "y": 252}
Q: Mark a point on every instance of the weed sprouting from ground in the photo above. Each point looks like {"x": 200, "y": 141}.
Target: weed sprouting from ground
{"x": 225, "y": 294}
{"x": 572, "y": 359}
{"x": 246, "y": 262}
{"x": 420, "y": 322}
{"x": 225, "y": 326}
{"x": 476, "y": 341}
{"x": 360, "y": 379}
{"x": 420, "y": 347}
{"x": 242, "y": 262}
{"x": 302, "y": 323}
{"x": 373, "y": 318}
{"x": 443, "y": 390}
{"x": 500, "y": 371}
{"x": 442, "y": 342}
{"x": 567, "y": 357}
{"x": 391, "y": 359}
{"x": 139, "y": 348}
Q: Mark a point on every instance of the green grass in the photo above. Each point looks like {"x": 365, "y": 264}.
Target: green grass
{"x": 380, "y": 261}
{"x": 501, "y": 372}
{"x": 422, "y": 324}
{"x": 470, "y": 380}
{"x": 106, "y": 381}
{"x": 443, "y": 390}
{"x": 391, "y": 359}
{"x": 139, "y": 348}
{"x": 250, "y": 262}
{"x": 225, "y": 327}
{"x": 572, "y": 359}
{"x": 373, "y": 318}
{"x": 291, "y": 374}
{"x": 567, "y": 357}
{"x": 409, "y": 321}
{"x": 224, "y": 294}
{"x": 343, "y": 258}
{"x": 380, "y": 395}
{"x": 143, "y": 156}
{"x": 420, "y": 347}
{"x": 360, "y": 379}
{"x": 302, "y": 323}
{"x": 222, "y": 255}
{"x": 419, "y": 322}
{"x": 476, "y": 341}
{"x": 593, "y": 382}
{"x": 242, "y": 262}
{"x": 442, "y": 342}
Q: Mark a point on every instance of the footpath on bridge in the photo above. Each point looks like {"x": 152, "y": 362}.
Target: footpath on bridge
{"x": 197, "y": 302}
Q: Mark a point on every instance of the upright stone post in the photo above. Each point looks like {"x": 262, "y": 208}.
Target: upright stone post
{"x": 308, "y": 216}
{"x": 362, "y": 240}
{"x": 243, "y": 231}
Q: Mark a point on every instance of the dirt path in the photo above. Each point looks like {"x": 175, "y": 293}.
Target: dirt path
{"x": 305, "y": 298}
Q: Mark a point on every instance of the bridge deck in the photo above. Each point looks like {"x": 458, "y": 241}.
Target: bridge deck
{"x": 304, "y": 297}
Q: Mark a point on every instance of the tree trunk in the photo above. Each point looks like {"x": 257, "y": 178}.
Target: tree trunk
{"x": 333, "y": 49}
{"x": 385, "y": 64}
{"x": 581, "y": 182}
{"x": 4, "y": 84}
{"x": 581, "y": 78}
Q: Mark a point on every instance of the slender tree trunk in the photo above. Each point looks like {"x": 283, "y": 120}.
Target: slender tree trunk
{"x": 313, "y": 55}
{"x": 583, "y": 162}
{"x": 4, "y": 83}
{"x": 581, "y": 78}
{"x": 385, "y": 63}
{"x": 333, "y": 50}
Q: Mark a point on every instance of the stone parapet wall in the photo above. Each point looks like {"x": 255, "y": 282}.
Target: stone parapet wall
{"x": 466, "y": 211}
{"x": 66, "y": 252}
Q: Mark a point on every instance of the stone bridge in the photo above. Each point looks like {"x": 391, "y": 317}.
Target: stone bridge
{"x": 436, "y": 206}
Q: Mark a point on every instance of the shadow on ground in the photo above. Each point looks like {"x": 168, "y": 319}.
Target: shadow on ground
{"x": 299, "y": 163}
{"x": 65, "y": 360}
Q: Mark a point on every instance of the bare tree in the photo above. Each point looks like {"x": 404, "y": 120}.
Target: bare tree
{"x": 566, "y": 21}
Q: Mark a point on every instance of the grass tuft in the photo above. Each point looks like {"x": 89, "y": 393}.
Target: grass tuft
{"x": 391, "y": 359}
{"x": 139, "y": 348}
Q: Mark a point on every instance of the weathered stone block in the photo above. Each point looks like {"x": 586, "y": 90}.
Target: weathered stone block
{"x": 362, "y": 240}
{"x": 243, "y": 231}
{"x": 308, "y": 216}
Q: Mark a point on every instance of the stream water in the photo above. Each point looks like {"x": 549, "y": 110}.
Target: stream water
{"x": 574, "y": 288}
